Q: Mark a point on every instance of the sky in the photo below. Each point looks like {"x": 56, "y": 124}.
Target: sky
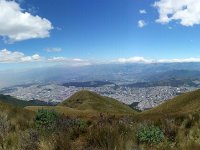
{"x": 85, "y": 32}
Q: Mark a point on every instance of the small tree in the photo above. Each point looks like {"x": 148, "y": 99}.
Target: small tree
{"x": 46, "y": 119}
{"x": 150, "y": 134}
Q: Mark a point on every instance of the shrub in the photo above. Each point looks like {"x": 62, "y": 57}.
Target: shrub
{"x": 62, "y": 141}
{"x": 66, "y": 124}
{"x": 150, "y": 134}
{"x": 4, "y": 129}
{"x": 29, "y": 140}
{"x": 82, "y": 125}
{"x": 46, "y": 119}
{"x": 109, "y": 137}
{"x": 170, "y": 129}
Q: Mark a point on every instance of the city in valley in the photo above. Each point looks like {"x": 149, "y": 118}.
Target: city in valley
{"x": 140, "y": 98}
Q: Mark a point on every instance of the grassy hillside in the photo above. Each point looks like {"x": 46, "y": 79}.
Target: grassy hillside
{"x": 188, "y": 103}
{"x": 86, "y": 100}
{"x": 86, "y": 104}
{"x": 20, "y": 103}
{"x": 13, "y": 122}
{"x": 67, "y": 111}
{"x": 89, "y": 121}
{"x": 14, "y": 112}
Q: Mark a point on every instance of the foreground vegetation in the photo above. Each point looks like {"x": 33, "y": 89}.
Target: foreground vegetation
{"x": 68, "y": 126}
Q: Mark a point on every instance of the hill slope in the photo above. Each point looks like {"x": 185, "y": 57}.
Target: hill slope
{"x": 183, "y": 104}
{"x": 15, "y": 114}
{"x": 86, "y": 100}
{"x": 20, "y": 103}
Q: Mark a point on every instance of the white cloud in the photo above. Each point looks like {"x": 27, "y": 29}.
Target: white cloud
{"x": 58, "y": 28}
{"x": 64, "y": 59}
{"x": 144, "y": 60}
{"x": 184, "y": 60}
{"x": 187, "y": 12}
{"x": 170, "y": 28}
{"x": 142, "y": 11}
{"x": 54, "y": 49}
{"x": 141, "y": 23}
{"x": 7, "y": 56}
{"x": 69, "y": 61}
{"x": 57, "y": 59}
{"x": 134, "y": 60}
{"x": 11, "y": 57}
{"x": 18, "y": 25}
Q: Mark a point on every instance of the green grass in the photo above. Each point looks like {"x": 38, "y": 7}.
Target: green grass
{"x": 16, "y": 120}
{"x": 184, "y": 104}
{"x": 85, "y": 104}
{"x": 14, "y": 112}
{"x": 86, "y": 100}
{"x": 16, "y": 102}
{"x": 66, "y": 111}
{"x": 110, "y": 124}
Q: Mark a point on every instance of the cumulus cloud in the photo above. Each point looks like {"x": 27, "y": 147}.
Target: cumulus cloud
{"x": 11, "y": 57}
{"x": 70, "y": 61}
{"x": 7, "y": 56}
{"x": 134, "y": 60}
{"x": 54, "y": 49}
{"x": 184, "y": 60}
{"x": 141, "y": 23}
{"x": 18, "y": 25}
{"x": 187, "y": 12}
{"x": 142, "y": 11}
{"x": 144, "y": 60}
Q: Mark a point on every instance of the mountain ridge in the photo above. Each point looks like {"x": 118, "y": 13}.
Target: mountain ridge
{"x": 184, "y": 104}
{"x": 92, "y": 101}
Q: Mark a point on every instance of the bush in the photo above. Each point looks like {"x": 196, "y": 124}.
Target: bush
{"x": 82, "y": 125}
{"x": 170, "y": 129}
{"x": 4, "y": 129}
{"x": 62, "y": 141}
{"x": 109, "y": 137}
{"x": 46, "y": 119}
{"x": 67, "y": 123}
{"x": 150, "y": 134}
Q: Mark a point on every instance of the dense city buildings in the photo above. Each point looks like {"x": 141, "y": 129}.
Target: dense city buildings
{"x": 144, "y": 98}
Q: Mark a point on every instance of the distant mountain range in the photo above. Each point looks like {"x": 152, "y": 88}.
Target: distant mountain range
{"x": 88, "y": 84}
{"x": 168, "y": 82}
{"x": 108, "y": 72}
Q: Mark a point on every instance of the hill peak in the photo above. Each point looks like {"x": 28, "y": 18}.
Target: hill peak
{"x": 88, "y": 100}
{"x": 86, "y": 92}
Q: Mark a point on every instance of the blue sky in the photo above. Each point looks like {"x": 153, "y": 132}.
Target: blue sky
{"x": 103, "y": 30}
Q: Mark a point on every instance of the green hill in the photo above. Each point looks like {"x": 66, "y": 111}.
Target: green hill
{"x": 79, "y": 125}
{"x": 20, "y": 103}
{"x": 86, "y": 100}
{"x": 86, "y": 104}
{"x": 12, "y": 110}
{"x": 13, "y": 121}
{"x": 184, "y": 104}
